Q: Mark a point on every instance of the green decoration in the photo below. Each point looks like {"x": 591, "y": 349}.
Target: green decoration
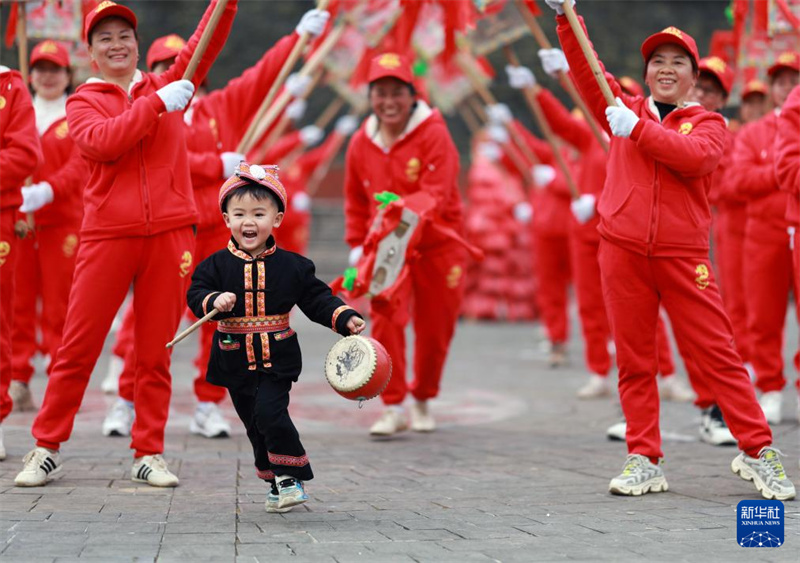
{"x": 385, "y": 198}
{"x": 350, "y": 275}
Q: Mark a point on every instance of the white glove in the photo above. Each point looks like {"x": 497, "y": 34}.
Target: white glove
{"x": 313, "y": 22}
{"x": 583, "y": 208}
{"x": 498, "y": 134}
{"x": 230, "y": 160}
{"x": 523, "y": 212}
{"x": 543, "y": 174}
{"x": 553, "y": 61}
{"x": 557, "y": 5}
{"x": 35, "y": 197}
{"x": 296, "y": 109}
{"x": 301, "y": 202}
{"x": 498, "y": 113}
{"x": 311, "y": 135}
{"x": 621, "y": 119}
{"x": 520, "y": 77}
{"x": 176, "y": 95}
{"x": 297, "y": 84}
{"x": 490, "y": 151}
{"x": 355, "y": 255}
{"x": 345, "y": 125}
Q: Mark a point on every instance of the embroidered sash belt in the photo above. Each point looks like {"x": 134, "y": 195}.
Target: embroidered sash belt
{"x": 250, "y": 325}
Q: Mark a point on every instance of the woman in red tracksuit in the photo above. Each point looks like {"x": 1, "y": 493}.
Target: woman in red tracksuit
{"x": 404, "y": 147}
{"x": 20, "y": 154}
{"x": 655, "y": 222}
{"x": 54, "y": 199}
{"x": 139, "y": 216}
{"x": 768, "y": 273}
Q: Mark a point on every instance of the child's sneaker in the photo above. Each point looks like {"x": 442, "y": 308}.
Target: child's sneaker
{"x": 290, "y": 492}
{"x": 119, "y": 420}
{"x": 766, "y": 472}
{"x": 41, "y": 465}
{"x": 639, "y": 476}
{"x": 153, "y": 470}
{"x": 273, "y": 498}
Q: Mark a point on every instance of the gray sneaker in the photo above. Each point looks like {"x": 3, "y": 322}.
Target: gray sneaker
{"x": 766, "y": 472}
{"x": 639, "y": 476}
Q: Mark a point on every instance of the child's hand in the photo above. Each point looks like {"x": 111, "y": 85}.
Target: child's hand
{"x": 225, "y": 302}
{"x": 356, "y": 325}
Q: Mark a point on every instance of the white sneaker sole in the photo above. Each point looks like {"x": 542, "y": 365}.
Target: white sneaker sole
{"x": 708, "y": 439}
{"x": 49, "y": 477}
{"x": 287, "y": 503}
{"x": 195, "y": 428}
{"x": 745, "y": 472}
{"x": 276, "y": 510}
{"x": 654, "y": 485}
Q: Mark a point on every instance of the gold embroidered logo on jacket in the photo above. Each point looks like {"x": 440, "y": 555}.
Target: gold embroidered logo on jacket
{"x": 69, "y": 245}
{"x": 186, "y": 263}
{"x": 702, "y": 276}
{"x": 413, "y": 167}
{"x": 685, "y": 128}
{"x": 5, "y": 250}
{"x": 62, "y": 130}
{"x": 454, "y": 276}
{"x": 2, "y": 102}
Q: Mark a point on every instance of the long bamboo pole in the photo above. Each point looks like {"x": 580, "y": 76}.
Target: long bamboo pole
{"x": 205, "y": 38}
{"x": 588, "y": 52}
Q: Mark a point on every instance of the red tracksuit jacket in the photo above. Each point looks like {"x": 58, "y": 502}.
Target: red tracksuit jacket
{"x": 139, "y": 180}
{"x": 787, "y": 154}
{"x": 424, "y": 159}
{"x": 655, "y": 199}
{"x": 20, "y": 152}
{"x": 753, "y": 171}
{"x": 66, "y": 171}
{"x": 220, "y": 119}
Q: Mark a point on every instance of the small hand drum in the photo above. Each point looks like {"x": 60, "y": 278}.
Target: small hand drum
{"x": 358, "y": 367}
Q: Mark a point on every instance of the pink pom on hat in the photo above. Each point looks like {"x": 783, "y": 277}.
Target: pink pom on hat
{"x": 264, "y": 175}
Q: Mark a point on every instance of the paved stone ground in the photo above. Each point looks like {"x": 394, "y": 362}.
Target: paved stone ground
{"x": 517, "y": 472}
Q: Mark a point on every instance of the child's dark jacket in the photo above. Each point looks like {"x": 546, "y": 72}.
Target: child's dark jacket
{"x": 255, "y": 336}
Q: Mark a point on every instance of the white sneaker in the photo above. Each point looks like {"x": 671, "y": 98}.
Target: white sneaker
{"x": 639, "y": 476}
{"x": 714, "y": 430}
{"x": 2, "y": 446}
{"x": 766, "y": 472}
{"x": 209, "y": 422}
{"x": 291, "y": 492}
{"x": 421, "y": 419}
{"x": 392, "y": 421}
{"x": 595, "y": 388}
{"x": 771, "y": 405}
{"x": 110, "y": 384}
{"x": 153, "y": 470}
{"x": 21, "y": 396}
{"x": 119, "y": 420}
{"x": 41, "y": 465}
{"x": 617, "y": 431}
{"x": 673, "y": 389}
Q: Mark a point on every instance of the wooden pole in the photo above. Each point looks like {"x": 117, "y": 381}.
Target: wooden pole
{"x": 192, "y": 328}
{"x": 278, "y": 131}
{"x": 594, "y": 64}
{"x": 544, "y": 125}
{"x": 563, "y": 77}
{"x": 468, "y": 118}
{"x": 205, "y": 38}
{"x": 23, "y": 227}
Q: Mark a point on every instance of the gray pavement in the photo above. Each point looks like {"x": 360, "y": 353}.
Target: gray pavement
{"x": 518, "y": 471}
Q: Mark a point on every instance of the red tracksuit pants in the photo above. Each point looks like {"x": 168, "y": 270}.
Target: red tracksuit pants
{"x": 592, "y": 310}
{"x": 104, "y": 271}
{"x": 553, "y": 273}
{"x": 46, "y": 273}
{"x": 634, "y": 286}
{"x": 8, "y": 258}
{"x": 209, "y": 241}
{"x": 768, "y": 278}
{"x": 729, "y": 230}
{"x": 431, "y": 295}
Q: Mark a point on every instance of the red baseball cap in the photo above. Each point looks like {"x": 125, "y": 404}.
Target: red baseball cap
{"x": 720, "y": 69}
{"x": 164, "y": 48}
{"x": 754, "y": 87}
{"x": 390, "y": 64}
{"x": 49, "y": 50}
{"x": 263, "y": 175}
{"x": 787, "y": 60}
{"x": 107, "y": 9}
{"x": 631, "y": 86}
{"x": 672, "y": 35}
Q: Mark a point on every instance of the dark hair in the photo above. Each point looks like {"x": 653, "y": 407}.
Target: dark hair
{"x": 409, "y": 85}
{"x": 716, "y": 80}
{"x": 256, "y": 191}
{"x": 70, "y": 73}
{"x": 91, "y": 31}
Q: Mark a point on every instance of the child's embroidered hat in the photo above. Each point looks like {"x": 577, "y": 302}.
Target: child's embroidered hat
{"x": 263, "y": 175}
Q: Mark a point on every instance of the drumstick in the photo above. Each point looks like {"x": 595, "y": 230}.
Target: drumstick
{"x": 192, "y": 328}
